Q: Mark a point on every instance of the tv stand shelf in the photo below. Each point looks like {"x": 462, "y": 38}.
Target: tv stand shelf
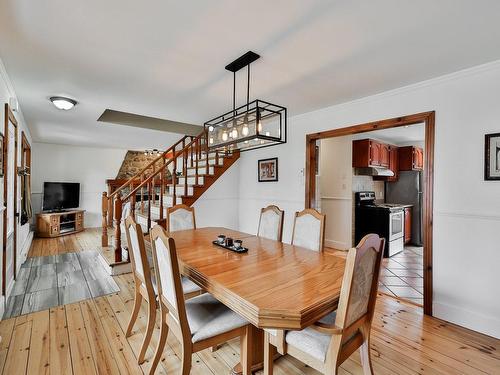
{"x": 55, "y": 224}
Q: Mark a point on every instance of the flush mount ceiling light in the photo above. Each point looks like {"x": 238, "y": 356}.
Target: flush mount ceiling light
{"x": 60, "y": 102}
{"x": 254, "y": 125}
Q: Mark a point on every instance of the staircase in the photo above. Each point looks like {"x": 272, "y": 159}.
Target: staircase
{"x": 181, "y": 174}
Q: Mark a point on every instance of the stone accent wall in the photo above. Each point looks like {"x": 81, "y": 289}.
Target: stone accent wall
{"x": 133, "y": 163}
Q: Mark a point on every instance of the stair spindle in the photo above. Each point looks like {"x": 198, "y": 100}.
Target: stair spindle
{"x": 150, "y": 184}
{"x": 162, "y": 187}
{"x": 197, "y": 157}
{"x": 117, "y": 222}
{"x": 174, "y": 180}
{"x": 185, "y": 174}
{"x": 132, "y": 201}
{"x": 191, "y": 141}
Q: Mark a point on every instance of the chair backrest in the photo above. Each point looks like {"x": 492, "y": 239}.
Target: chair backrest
{"x": 138, "y": 256}
{"x": 271, "y": 223}
{"x": 309, "y": 229}
{"x": 168, "y": 279}
{"x": 360, "y": 284}
{"x": 180, "y": 217}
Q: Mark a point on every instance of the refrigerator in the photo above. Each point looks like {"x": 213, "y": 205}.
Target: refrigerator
{"x": 408, "y": 190}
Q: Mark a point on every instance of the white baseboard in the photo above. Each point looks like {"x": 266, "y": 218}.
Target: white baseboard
{"x": 488, "y": 325}
{"x": 339, "y": 245}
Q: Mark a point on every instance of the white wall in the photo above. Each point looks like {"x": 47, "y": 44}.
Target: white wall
{"x": 24, "y": 236}
{"x": 466, "y": 208}
{"x": 91, "y": 167}
{"x": 335, "y": 180}
{"x": 218, "y": 206}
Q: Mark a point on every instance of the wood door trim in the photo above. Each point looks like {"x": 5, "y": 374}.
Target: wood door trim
{"x": 428, "y": 118}
{"x": 9, "y": 116}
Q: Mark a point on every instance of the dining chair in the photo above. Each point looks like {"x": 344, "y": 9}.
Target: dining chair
{"x": 145, "y": 283}
{"x": 198, "y": 323}
{"x": 309, "y": 229}
{"x": 326, "y": 344}
{"x": 144, "y": 289}
{"x": 271, "y": 223}
{"x": 180, "y": 217}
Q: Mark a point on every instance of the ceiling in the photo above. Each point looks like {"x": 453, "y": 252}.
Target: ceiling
{"x": 165, "y": 59}
{"x": 400, "y": 136}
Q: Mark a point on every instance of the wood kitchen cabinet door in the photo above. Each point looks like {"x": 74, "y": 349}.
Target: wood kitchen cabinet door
{"x": 411, "y": 158}
{"x": 375, "y": 153}
{"x": 385, "y": 155}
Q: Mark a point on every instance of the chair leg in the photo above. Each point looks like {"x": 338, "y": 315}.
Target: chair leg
{"x": 135, "y": 312}
{"x": 246, "y": 350}
{"x": 161, "y": 345}
{"x": 366, "y": 360}
{"x": 149, "y": 330}
{"x": 215, "y": 348}
{"x": 268, "y": 356}
{"x": 187, "y": 355}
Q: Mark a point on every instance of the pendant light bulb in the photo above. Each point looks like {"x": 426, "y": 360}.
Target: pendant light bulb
{"x": 210, "y": 128}
{"x": 211, "y": 140}
{"x": 235, "y": 133}
{"x": 259, "y": 126}
{"x": 244, "y": 130}
{"x": 224, "y": 136}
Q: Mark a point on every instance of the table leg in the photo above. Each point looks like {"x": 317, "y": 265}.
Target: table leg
{"x": 257, "y": 352}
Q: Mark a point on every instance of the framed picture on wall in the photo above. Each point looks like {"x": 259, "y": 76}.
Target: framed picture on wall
{"x": 1, "y": 154}
{"x": 492, "y": 157}
{"x": 268, "y": 170}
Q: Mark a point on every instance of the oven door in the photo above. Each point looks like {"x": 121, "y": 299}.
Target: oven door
{"x": 396, "y": 225}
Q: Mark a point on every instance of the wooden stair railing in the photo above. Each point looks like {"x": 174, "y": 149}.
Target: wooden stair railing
{"x": 152, "y": 179}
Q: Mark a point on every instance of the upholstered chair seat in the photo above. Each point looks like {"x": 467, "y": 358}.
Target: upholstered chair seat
{"x": 207, "y": 317}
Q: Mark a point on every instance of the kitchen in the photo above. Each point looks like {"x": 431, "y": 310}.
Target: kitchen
{"x": 372, "y": 182}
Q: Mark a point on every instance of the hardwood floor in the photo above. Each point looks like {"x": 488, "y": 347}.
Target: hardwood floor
{"x": 88, "y": 337}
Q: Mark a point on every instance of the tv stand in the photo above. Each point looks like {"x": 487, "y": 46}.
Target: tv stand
{"x": 60, "y": 223}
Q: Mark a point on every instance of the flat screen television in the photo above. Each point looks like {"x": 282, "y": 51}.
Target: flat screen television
{"x": 58, "y": 196}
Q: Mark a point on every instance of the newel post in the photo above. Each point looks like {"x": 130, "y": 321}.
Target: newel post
{"x": 104, "y": 235}
{"x": 117, "y": 222}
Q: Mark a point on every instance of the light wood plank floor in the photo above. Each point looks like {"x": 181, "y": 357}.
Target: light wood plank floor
{"x": 88, "y": 338}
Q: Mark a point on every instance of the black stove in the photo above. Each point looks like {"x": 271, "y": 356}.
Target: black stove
{"x": 384, "y": 219}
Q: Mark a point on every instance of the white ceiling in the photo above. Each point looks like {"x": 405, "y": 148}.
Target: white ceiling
{"x": 166, "y": 58}
{"x": 400, "y": 136}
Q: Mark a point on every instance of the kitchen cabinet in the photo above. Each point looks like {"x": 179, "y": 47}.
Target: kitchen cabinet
{"x": 407, "y": 225}
{"x": 411, "y": 158}
{"x": 370, "y": 153}
{"x": 393, "y": 164}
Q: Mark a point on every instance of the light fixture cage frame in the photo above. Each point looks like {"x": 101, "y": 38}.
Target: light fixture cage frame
{"x": 260, "y": 110}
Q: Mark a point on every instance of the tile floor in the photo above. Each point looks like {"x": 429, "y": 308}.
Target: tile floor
{"x": 402, "y": 275}
{"x": 48, "y": 281}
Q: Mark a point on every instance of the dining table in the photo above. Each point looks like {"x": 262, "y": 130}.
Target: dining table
{"x": 272, "y": 285}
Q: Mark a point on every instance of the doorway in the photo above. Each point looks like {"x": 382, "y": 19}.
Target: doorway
{"x": 428, "y": 120}
{"x": 9, "y": 258}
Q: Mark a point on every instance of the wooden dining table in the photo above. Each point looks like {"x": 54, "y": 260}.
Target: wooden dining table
{"x": 273, "y": 285}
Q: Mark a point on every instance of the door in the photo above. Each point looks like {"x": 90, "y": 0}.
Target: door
{"x": 10, "y": 200}
{"x": 385, "y": 155}
{"x": 374, "y": 153}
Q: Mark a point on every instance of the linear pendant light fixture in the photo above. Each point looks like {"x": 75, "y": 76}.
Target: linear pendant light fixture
{"x": 254, "y": 125}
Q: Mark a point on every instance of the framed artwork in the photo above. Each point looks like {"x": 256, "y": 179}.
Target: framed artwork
{"x": 268, "y": 170}
{"x": 1, "y": 154}
{"x": 492, "y": 157}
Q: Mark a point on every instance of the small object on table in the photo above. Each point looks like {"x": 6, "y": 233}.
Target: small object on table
{"x": 232, "y": 247}
{"x": 221, "y": 239}
{"x": 229, "y": 242}
{"x": 237, "y": 244}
